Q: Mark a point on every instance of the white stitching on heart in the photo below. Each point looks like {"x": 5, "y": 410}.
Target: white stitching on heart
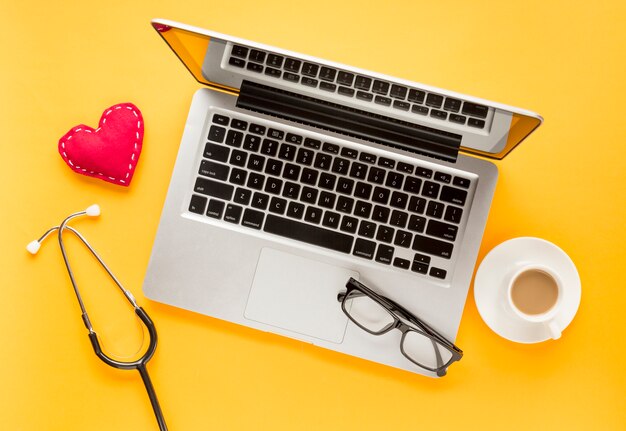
{"x": 133, "y": 156}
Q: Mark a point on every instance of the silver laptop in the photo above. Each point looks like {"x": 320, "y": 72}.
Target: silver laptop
{"x": 296, "y": 173}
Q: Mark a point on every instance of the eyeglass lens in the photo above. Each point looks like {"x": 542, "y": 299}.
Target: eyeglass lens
{"x": 373, "y": 317}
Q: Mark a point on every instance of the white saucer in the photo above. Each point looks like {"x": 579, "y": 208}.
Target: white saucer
{"x": 493, "y": 276}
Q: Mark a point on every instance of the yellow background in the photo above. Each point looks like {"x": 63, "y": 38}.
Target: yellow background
{"x": 64, "y": 62}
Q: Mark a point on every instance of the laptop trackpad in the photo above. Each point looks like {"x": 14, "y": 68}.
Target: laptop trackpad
{"x": 299, "y": 294}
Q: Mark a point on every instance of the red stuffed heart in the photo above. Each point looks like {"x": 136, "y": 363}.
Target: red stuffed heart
{"x": 109, "y": 152}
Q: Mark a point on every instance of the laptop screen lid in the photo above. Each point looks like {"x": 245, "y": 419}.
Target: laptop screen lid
{"x": 412, "y": 116}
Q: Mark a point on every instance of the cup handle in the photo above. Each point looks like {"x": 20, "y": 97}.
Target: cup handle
{"x": 555, "y": 331}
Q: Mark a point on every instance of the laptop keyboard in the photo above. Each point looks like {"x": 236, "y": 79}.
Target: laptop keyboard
{"x": 330, "y": 195}
{"x": 351, "y": 85}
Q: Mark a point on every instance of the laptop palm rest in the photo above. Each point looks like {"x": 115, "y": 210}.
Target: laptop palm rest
{"x": 299, "y": 295}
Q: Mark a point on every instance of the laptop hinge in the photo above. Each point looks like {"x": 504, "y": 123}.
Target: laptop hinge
{"x": 349, "y": 121}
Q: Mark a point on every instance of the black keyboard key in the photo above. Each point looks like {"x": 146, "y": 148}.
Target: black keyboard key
{"x": 440, "y": 115}
{"x": 242, "y": 196}
{"x": 273, "y": 167}
{"x": 252, "y": 219}
{"x": 260, "y": 200}
{"x": 331, "y": 219}
{"x": 345, "y": 91}
{"x": 217, "y": 134}
{"x": 385, "y": 233}
{"x": 363, "y": 190}
{"x": 340, "y": 166}
{"x": 434, "y": 209}
{"x": 291, "y": 172}
{"x": 398, "y": 219}
{"x": 233, "y": 213}
{"x": 475, "y": 110}
{"x": 310, "y": 234}
{"x": 257, "y": 56}
{"x": 430, "y": 189}
{"x": 416, "y": 96}
{"x": 399, "y": 200}
{"x": 310, "y": 69}
{"x": 287, "y": 152}
{"x": 344, "y": 204}
{"x": 367, "y": 229}
{"x": 327, "y": 74}
{"x": 291, "y": 190}
{"x": 327, "y": 200}
{"x": 348, "y": 224}
{"x": 453, "y": 195}
{"x": 421, "y": 258}
{"x": 380, "y": 87}
{"x": 215, "y": 209}
{"x": 255, "y": 181}
{"x": 275, "y": 60}
{"x": 237, "y": 62}
{"x": 292, "y": 138}
{"x": 363, "y": 83}
{"x": 309, "y": 176}
{"x": 295, "y": 210}
{"x": 423, "y": 172}
{"x": 234, "y": 138}
{"x": 323, "y": 161}
{"x": 274, "y": 73}
{"x": 416, "y": 223}
{"x": 305, "y": 157}
{"x": 238, "y": 176}
{"x": 238, "y": 124}
{"x": 291, "y": 77}
{"x": 278, "y": 205}
{"x": 453, "y": 214}
{"x": 403, "y": 106}
{"x": 398, "y": 92}
{"x": 381, "y": 100}
{"x": 363, "y": 209}
{"x": 384, "y": 254}
{"x": 269, "y": 147}
{"x": 216, "y": 152}
{"x": 309, "y": 195}
{"x": 240, "y": 51}
{"x": 376, "y": 175}
{"x": 380, "y": 214}
{"x": 273, "y": 185}
{"x": 275, "y": 134}
{"x": 309, "y": 82}
{"x": 358, "y": 170}
{"x": 452, "y": 105}
{"x": 252, "y": 143}
{"x": 434, "y": 100}
{"x": 220, "y": 119}
{"x": 417, "y": 205}
{"x": 401, "y": 263}
{"x": 256, "y": 162}
{"x": 345, "y": 78}
{"x": 197, "y": 204}
{"x": 386, "y": 163}
{"x": 421, "y": 110}
{"x": 437, "y": 273}
{"x": 405, "y": 167}
{"x": 394, "y": 180}
{"x": 363, "y": 95}
{"x": 255, "y": 67}
{"x": 327, "y": 181}
{"x": 473, "y": 122}
{"x": 364, "y": 248}
{"x": 412, "y": 185}
{"x": 327, "y": 86}
{"x": 313, "y": 215}
{"x": 238, "y": 158}
{"x": 456, "y": 118}
{"x": 444, "y": 178}
{"x": 442, "y": 230}
{"x": 461, "y": 182}
{"x": 367, "y": 157}
{"x": 432, "y": 246}
{"x": 212, "y": 188}
{"x": 403, "y": 239}
{"x": 330, "y": 148}
{"x": 349, "y": 152}
{"x": 381, "y": 195}
{"x": 214, "y": 170}
{"x": 292, "y": 65}
{"x": 420, "y": 268}
{"x": 345, "y": 186}
{"x": 312, "y": 143}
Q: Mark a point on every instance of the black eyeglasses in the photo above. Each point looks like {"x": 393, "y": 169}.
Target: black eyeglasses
{"x": 378, "y": 315}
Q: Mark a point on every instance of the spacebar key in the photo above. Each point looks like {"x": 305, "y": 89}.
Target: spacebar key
{"x": 307, "y": 233}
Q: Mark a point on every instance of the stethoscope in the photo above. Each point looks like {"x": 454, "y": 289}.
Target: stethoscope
{"x": 138, "y": 364}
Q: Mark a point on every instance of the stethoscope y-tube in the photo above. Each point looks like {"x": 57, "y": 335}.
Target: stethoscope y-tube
{"x": 138, "y": 364}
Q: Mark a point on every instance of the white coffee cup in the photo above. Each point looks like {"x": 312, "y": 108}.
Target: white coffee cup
{"x": 535, "y": 295}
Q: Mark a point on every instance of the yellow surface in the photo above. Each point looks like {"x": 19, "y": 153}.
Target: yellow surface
{"x": 64, "y": 62}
